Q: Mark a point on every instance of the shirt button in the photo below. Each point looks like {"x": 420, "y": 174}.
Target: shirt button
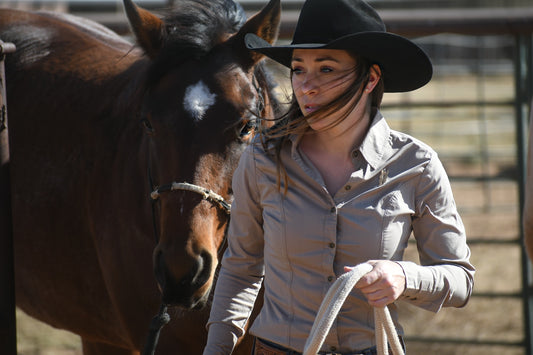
{"x": 330, "y": 278}
{"x": 355, "y": 154}
{"x": 333, "y": 349}
{"x": 332, "y": 245}
{"x": 347, "y": 187}
{"x": 333, "y": 210}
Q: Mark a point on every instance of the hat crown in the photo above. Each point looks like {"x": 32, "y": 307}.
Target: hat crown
{"x": 355, "y": 26}
{"x": 322, "y": 21}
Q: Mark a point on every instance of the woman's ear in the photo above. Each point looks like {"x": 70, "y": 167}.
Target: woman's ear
{"x": 373, "y": 78}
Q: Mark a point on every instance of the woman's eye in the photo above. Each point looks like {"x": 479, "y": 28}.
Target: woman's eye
{"x": 326, "y": 70}
{"x": 296, "y": 71}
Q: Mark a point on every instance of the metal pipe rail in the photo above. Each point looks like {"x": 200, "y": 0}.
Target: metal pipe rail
{"x": 8, "y": 339}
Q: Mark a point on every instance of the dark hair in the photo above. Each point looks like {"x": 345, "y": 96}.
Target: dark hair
{"x": 294, "y": 122}
{"x": 192, "y": 28}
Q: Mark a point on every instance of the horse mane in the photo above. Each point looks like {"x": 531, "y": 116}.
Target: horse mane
{"x": 194, "y": 27}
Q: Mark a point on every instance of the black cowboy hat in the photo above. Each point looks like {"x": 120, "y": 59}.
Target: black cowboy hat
{"x": 353, "y": 25}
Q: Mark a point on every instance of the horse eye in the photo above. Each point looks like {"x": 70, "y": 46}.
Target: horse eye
{"x": 147, "y": 125}
{"x": 247, "y": 129}
{"x": 260, "y": 106}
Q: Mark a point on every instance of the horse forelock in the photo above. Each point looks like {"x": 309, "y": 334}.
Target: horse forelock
{"x": 202, "y": 24}
{"x": 194, "y": 27}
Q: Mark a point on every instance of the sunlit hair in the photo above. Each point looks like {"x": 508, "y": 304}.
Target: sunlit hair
{"x": 294, "y": 122}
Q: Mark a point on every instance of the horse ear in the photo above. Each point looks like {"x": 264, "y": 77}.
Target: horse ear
{"x": 147, "y": 27}
{"x": 265, "y": 24}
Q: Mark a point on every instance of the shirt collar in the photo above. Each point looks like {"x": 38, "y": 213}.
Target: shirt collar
{"x": 295, "y": 141}
{"x": 374, "y": 145}
{"x": 376, "y": 141}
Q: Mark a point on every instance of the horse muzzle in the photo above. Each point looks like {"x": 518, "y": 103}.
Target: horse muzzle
{"x": 188, "y": 289}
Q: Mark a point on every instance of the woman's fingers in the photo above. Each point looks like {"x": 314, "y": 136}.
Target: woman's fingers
{"x": 384, "y": 284}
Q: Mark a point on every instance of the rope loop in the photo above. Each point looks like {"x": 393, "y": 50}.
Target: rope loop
{"x": 331, "y": 306}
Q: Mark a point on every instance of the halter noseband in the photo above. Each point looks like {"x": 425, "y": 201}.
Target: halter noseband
{"x": 207, "y": 194}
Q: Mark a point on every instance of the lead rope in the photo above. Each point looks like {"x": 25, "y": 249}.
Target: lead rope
{"x": 333, "y": 302}
{"x": 156, "y": 324}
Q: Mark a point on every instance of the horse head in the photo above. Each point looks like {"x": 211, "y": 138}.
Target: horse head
{"x": 204, "y": 98}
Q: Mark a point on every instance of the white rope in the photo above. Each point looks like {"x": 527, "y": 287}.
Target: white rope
{"x": 331, "y": 306}
{"x": 206, "y": 193}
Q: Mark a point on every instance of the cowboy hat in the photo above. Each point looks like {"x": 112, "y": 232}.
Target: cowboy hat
{"x": 355, "y": 26}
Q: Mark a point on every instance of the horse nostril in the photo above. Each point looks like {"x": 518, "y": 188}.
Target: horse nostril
{"x": 185, "y": 286}
{"x": 203, "y": 274}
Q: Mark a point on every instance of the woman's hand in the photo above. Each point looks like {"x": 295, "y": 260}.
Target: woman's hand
{"x": 384, "y": 284}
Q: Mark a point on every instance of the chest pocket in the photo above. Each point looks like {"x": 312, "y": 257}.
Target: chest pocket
{"x": 395, "y": 225}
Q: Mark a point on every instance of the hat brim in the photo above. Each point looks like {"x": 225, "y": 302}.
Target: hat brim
{"x": 405, "y": 66}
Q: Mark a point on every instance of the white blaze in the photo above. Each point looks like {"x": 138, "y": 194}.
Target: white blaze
{"x": 198, "y": 99}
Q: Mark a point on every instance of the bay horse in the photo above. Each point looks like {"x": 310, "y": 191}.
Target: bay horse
{"x": 97, "y": 126}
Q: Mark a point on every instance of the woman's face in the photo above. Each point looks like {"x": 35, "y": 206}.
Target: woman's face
{"x": 318, "y": 77}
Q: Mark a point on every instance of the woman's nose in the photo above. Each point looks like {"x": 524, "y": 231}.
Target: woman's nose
{"x": 309, "y": 85}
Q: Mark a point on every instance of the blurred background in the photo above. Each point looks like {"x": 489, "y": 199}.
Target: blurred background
{"x": 474, "y": 113}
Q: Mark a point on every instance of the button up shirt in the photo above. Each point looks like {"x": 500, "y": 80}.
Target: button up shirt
{"x": 297, "y": 244}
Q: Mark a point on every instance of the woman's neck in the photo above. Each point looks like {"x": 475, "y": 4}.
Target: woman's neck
{"x": 342, "y": 138}
{"x": 330, "y": 150}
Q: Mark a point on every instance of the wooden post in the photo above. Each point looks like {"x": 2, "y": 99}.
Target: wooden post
{"x": 8, "y": 332}
{"x": 524, "y": 90}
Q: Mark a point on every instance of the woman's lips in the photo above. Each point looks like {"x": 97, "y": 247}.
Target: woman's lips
{"x": 309, "y": 108}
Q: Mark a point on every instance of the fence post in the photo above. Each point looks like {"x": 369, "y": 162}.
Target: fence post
{"x": 8, "y": 332}
{"x": 524, "y": 90}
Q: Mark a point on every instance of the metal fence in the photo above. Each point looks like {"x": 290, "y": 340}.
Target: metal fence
{"x": 490, "y": 52}
{"x": 475, "y": 114}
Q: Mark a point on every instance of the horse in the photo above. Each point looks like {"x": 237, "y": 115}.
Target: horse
{"x": 121, "y": 159}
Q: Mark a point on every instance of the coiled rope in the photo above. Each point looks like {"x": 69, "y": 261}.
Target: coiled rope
{"x": 331, "y": 306}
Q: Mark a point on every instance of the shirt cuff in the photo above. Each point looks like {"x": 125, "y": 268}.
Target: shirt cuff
{"x": 419, "y": 286}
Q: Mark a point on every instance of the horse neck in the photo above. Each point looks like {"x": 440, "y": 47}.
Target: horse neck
{"x": 125, "y": 90}
{"x": 124, "y": 143}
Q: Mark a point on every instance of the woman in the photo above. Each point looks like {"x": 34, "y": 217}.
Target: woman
{"x": 331, "y": 186}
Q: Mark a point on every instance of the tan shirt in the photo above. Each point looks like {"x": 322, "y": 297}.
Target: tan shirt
{"x": 300, "y": 243}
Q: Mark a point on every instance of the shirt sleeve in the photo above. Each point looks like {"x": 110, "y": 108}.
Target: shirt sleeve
{"x": 445, "y": 277}
{"x": 242, "y": 266}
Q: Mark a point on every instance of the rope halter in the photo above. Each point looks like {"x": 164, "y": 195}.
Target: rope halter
{"x": 206, "y": 194}
{"x": 162, "y": 317}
